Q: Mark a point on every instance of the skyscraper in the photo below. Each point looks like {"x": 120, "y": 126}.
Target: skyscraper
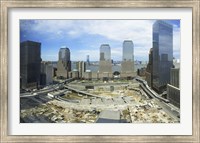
{"x": 81, "y": 67}
{"x": 162, "y": 54}
{"x": 88, "y": 60}
{"x": 105, "y": 66}
{"x": 46, "y": 73}
{"x": 105, "y": 53}
{"x": 149, "y": 70}
{"x": 173, "y": 90}
{"x": 174, "y": 77}
{"x": 128, "y": 50}
{"x": 64, "y": 55}
{"x": 64, "y": 63}
{"x": 127, "y": 69}
{"x": 30, "y": 59}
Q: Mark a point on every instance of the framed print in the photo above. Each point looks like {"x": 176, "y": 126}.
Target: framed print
{"x": 99, "y": 71}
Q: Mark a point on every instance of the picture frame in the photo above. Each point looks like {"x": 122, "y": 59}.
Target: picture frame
{"x": 4, "y": 87}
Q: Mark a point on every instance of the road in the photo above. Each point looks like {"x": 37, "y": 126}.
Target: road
{"x": 167, "y": 108}
{"x": 46, "y": 90}
{"x": 174, "y": 114}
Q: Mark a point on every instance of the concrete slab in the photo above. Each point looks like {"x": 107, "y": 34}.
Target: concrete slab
{"x": 108, "y": 116}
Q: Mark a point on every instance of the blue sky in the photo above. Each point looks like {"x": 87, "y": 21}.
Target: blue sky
{"x": 84, "y": 37}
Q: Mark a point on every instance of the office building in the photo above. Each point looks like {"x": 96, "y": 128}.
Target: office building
{"x": 128, "y": 51}
{"x": 141, "y": 71}
{"x": 75, "y": 74}
{"x": 173, "y": 90}
{"x": 88, "y": 60}
{"x": 81, "y": 67}
{"x": 30, "y": 59}
{"x": 162, "y": 54}
{"x": 105, "y": 53}
{"x": 64, "y": 63}
{"x": 47, "y": 73}
{"x": 127, "y": 65}
{"x": 88, "y": 75}
{"x": 149, "y": 69}
{"x": 174, "y": 77}
{"x": 105, "y": 66}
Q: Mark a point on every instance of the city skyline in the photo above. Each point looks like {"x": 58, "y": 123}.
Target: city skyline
{"x": 57, "y": 94}
{"x": 84, "y": 37}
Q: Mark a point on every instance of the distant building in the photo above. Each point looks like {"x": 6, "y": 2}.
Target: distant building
{"x": 105, "y": 66}
{"x": 54, "y": 71}
{"x": 88, "y": 75}
{"x": 75, "y": 74}
{"x": 176, "y": 63}
{"x": 95, "y": 75}
{"x": 174, "y": 77}
{"x": 173, "y": 90}
{"x": 64, "y": 63}
{"x": 162, "y": 54}
{"x": 88, "y": 60}
{"x": 127, "y": 64}
{"x": 149, "y": 69}
{"x": 47, "y": 73}
{"x": 128, "y": 51}
{"x": 81, "y": 67}
{"x": 141, "y": 71}
{"x": 30, "y": 64}
{"x": 105, "y": 52}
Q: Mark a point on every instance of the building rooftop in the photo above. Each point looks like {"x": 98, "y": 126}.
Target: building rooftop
{"x": 164, "y": 23}
{"x": 128, "y": 41}
{"x": 30, "y": 43}
{"x": 105, "y": 45}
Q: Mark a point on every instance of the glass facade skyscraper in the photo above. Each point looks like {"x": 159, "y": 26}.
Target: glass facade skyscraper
{"x": 105, "y": 66}
{"x": 127, "y": 64}
{"x": 64, "y": 54}
{"x": 127, "y": 50}
{"x": 30, "y": 64}
{"x": 64, "y": 63}
{"x": 105, "y": 54}
{"x": 162, "y": 54}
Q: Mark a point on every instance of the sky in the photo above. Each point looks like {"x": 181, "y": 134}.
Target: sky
{"x": 84, "y": 37}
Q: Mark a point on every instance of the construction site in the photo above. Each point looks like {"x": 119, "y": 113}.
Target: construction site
{"x": 95, "y": 101}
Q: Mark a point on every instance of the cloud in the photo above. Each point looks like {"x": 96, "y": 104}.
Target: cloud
{"x": 176, "y": 39}
{"x": 114, "y": 32}
{"x": 111, "y": 29}
{"x": 116, "y": 53}
{"x": 46, "y": 57}
{"x": 120, "y": 29}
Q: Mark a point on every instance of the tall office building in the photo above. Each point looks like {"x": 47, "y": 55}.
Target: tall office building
{"x": 105, "y": 52}
{"x": 30, "y": 59}
{"x": 47, "y": 73}
{"x": 88, "y": 60}
{"x": 64, "y": 55}
{"x": 81, "y": 67}
{"x": 128, "y": 51}
{"x": 127, "y": 65}
{"x": 174, "y": 77}
{"x": 105, "y": 66}
{"x": 64, "y": 63}
{"x": 173, "y": 90}
{"x": 149, "y": 69}
{"x": 162, "y": 54}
